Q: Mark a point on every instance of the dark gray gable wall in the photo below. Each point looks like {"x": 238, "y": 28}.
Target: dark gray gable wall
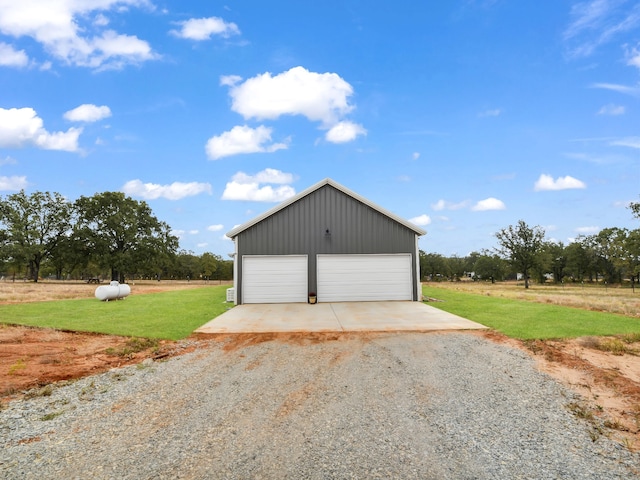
{"x": 300, "y": 228}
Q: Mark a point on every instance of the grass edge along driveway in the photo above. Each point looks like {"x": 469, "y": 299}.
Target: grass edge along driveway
{"x": 528, "y": 320}
{"x": 170, "y": 315}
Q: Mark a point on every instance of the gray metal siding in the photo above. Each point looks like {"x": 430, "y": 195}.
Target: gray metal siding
{"x": 301, "y": 228}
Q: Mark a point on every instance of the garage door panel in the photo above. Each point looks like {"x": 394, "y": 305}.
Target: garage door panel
{"x": 343, "y": 278}
{"x": 274, "y": 279}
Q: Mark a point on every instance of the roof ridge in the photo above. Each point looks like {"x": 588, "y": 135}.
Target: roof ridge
{"x": 327, "y": 181}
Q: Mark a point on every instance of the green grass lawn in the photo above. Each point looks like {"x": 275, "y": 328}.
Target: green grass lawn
{"x": 529, "y": 320}
{"x": 166, "y": 315}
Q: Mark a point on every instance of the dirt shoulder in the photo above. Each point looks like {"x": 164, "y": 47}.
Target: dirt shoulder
{"x": 32, "y": 357}
{"x": 608, "y": 382}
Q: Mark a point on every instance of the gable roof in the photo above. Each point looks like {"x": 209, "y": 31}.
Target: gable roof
{"x": 327, "y": 181}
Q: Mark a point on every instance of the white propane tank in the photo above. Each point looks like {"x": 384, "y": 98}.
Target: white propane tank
{"x": 113, "y": 291}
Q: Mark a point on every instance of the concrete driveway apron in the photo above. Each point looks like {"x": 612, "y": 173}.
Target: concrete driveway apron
{"x": 336, "y": 317}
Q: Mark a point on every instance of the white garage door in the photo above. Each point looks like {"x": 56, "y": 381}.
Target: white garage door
{"x": 274, "y": 279}
{"x": 361, "y": 278}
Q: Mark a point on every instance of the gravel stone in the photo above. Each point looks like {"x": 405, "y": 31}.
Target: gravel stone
{"x": 409, "y": 405}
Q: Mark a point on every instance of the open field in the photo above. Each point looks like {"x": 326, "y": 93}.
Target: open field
{"x": 531, "y": 317}
{"x": 45, "y": 290}
{"x": 623, "y": 301}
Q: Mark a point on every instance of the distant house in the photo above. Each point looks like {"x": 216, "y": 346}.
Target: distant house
{"x": 330, "y": 241}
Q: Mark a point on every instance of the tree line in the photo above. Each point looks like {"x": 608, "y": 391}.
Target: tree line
{"x": 104, "y": 235}
{"x": 612, "y": 256}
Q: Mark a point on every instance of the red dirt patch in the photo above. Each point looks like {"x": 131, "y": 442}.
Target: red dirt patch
{"x": 31, "y": 357}
{"x": 237, "y": 341}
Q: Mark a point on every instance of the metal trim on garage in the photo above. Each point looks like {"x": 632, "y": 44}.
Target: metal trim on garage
{"x": 274, "y": 278}
{"x": 364, "y": 277}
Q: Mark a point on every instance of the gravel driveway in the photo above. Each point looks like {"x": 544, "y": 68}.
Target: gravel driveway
{"x": 358, "y": 406}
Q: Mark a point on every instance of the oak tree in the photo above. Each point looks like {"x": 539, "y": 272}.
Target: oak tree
{"x": 122, "y": 233}
{"x": 33, "y": 226}
{"x": 520, "y": 245}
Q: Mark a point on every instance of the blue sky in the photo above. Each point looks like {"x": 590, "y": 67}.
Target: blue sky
{"x": 461, "y": 116}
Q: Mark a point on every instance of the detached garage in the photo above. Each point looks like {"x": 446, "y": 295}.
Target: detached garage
{"x": 327, "y": 240}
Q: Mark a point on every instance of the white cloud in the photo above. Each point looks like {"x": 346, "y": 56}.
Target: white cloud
{"x": 13, "y": 183}
{"x": 174, "y": 191}
{"x": 496, "y": 112}
{"x": 8, "y": 161}
{"x": 612, "y": 109}
{"x": 345, "y": 131}
{"x": 202, "y": 245}
{"x": 63, "y": 29}
{"x": 489, "y": 204}
{"x": 439, "y": 205}
{"x": 633, "y": 91}
{"x": 546, "y": 182}
{"x": 268, "y": 175}
{"x": 633, "y": 57}
{"x": 248, "y": 187}
{"x": 88, "y": 113}
{"x": 183, "y": 233}
{"x": 415, "y": 155}
{"x": 597, "y": 22}
{"x": 320, "y": 97}
{"x": 101, "y": 20}
{"x": 587, "y": 230}
{"x": 10, "y": 57}
{"x": 215, "y": 228}
{"x": 242, "y": 139}
{"x": 444, "y": 205}
{"x": 596, "y": 159}
{"x": 203, "y": 28}
{"x": 421, "y": 220}
{"x": 632, "y": 142}
{"x": 230, "y": 80}
{"x": 253, "y": 192}
{"x": 21, "y": 127}
{"x": 586, "y": 16}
